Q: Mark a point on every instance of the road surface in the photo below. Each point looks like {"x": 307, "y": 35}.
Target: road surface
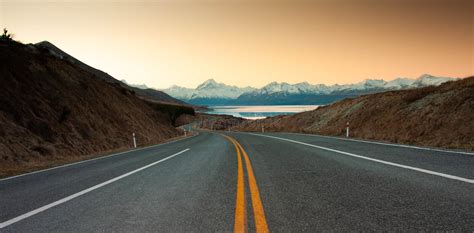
{"x": 227, "y": 181}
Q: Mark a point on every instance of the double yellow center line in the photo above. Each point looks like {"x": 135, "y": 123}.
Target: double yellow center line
{"x": 240, "y": 224}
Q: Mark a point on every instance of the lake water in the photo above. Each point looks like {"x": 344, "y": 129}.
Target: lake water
{"x": 259, "y": 112}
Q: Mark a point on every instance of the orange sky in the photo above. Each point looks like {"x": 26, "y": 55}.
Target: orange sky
{"x": 184, "y": 42}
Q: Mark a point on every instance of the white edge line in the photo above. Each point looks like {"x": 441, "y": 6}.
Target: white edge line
{"x": 68, "y": 198}
{"x": 471, "y": 181}
{"x": 374, "y": 142}
{"x": 385, "y": 144}
{"x": 93, "y": 159}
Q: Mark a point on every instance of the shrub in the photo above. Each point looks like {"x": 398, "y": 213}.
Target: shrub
{"x": 7, "y": 37}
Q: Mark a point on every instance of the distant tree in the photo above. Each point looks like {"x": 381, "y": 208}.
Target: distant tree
{"x": 6, "y": 36}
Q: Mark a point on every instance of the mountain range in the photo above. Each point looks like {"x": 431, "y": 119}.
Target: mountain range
{"x": 214, "y": 93}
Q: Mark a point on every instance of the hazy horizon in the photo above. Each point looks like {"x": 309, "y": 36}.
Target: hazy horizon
{"x": 291, "y": 83}
{"x": 252, "y": 43}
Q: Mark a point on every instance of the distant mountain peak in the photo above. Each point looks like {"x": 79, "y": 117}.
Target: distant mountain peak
{"x": 207, "y": 90}
{"x": 424, "y": 76}
{"x": 303, "y": 83}
{"x": 209, "y": 83}
{"x": 430, "y": 80}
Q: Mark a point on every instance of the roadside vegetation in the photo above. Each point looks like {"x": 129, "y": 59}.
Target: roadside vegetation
{"x": 6, "y": 37}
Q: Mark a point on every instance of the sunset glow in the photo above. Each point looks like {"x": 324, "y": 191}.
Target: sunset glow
{"x": 163, "y": 43}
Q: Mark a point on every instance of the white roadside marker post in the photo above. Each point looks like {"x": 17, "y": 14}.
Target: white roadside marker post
{"x": 185, "y": 132}
{"x": 263, "y": 129}
{"x": 134, "y": 141}
{"x": 347, "y": 130}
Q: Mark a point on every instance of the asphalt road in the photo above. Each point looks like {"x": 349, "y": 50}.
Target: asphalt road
{"x": 225, "y": 181}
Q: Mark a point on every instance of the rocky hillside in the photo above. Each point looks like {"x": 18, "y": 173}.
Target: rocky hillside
{"x": 53, "y": 111}
{"x": 437, "y": 116}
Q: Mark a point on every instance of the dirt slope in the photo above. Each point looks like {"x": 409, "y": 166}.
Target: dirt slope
{"x": 52, "y": 110}
{"x": 440, "y": 116}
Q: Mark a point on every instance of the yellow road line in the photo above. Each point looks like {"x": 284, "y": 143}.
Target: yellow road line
{"x": 258, "y": 212}
{"x": 257, "y": 206}
{"x": 240, "y": 224}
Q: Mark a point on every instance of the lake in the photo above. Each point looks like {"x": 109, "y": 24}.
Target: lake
{"x": 259, "y": 112}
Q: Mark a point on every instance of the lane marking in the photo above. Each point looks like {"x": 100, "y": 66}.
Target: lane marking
{"x": 458, "y": 178}
{"x": 93, "y": 159}
{"x": 68, "y": 198}
{"x": 240, "y": 223}
{"x": 258, "y": 212}
{"x": 385, "y": 144}
{"x": 257, "y": 206}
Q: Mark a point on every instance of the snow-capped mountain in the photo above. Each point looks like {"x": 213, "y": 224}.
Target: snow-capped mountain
{"x": 368, "y": 84}
{"x": 365, "y": 85}
{"x": 399, "y": 83}
{"x": 298, "y": 88}
{"x": 213, "y": 89}
{"x": 428, "y": 80}
{"x": 181, "y": 93}
{"x": 211, "y": 92}
{"x": 280, "y": 87}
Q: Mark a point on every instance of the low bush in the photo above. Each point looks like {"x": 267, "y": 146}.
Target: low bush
{"x": 6, "y": 37}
